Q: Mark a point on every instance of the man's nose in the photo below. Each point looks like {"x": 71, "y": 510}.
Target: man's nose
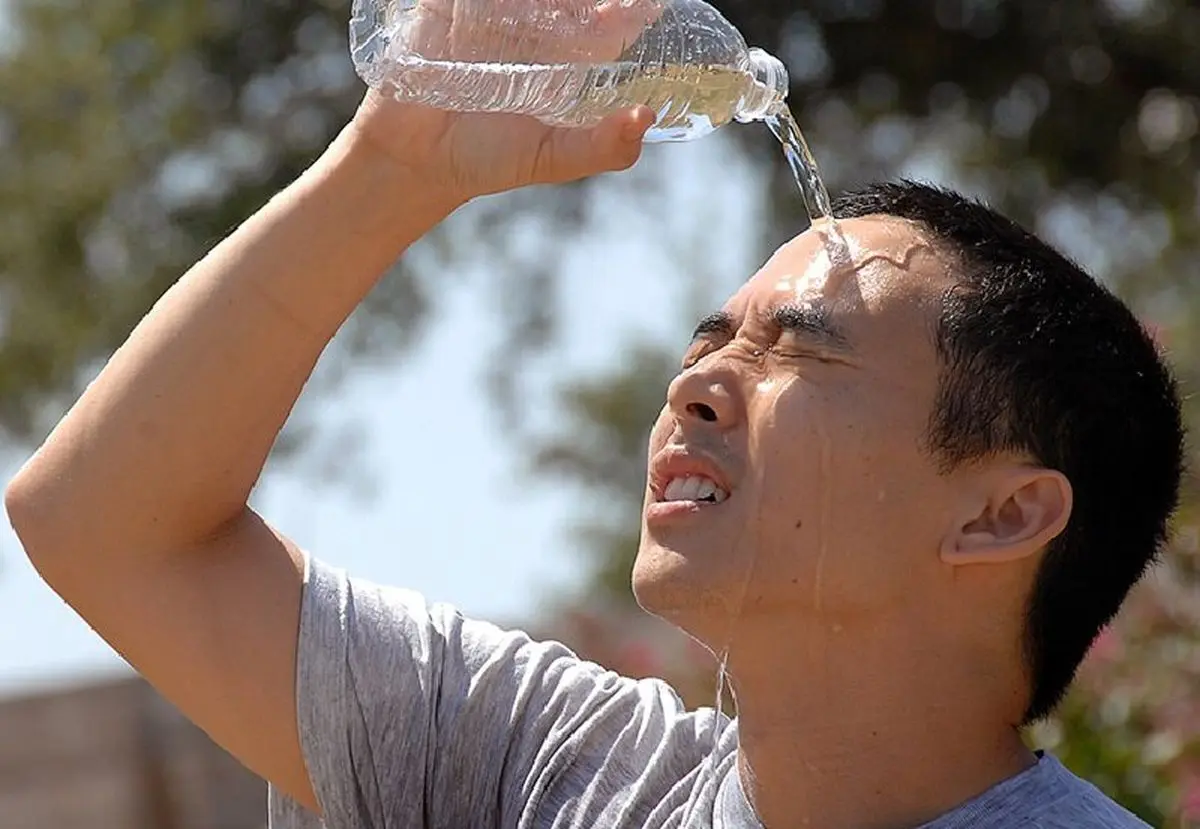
{"x": 704, "y": 394}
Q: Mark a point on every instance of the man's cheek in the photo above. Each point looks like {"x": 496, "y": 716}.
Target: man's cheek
{"x": 663, "y": 426}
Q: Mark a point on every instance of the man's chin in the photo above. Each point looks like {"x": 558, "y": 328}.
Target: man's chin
{"x": 680, "y": 589}
{"x": 660, "y": 578}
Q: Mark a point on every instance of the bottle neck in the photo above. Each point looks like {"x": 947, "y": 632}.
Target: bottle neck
{"x": 769, "y": 90}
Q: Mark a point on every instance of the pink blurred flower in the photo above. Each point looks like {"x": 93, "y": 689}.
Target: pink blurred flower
{"x": 1189, "y": 802}
{"x": 640, "y": 660}
{"x": 1107, "y": 648}
{"x": 1159, "y": 333}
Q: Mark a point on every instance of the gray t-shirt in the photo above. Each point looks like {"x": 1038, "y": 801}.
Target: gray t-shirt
{"x": 412, "y": 716}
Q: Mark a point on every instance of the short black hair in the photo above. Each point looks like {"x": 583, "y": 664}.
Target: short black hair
{"x": 1038, "y": 357}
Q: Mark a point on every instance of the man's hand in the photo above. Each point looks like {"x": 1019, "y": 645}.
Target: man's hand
{"x": 462, "y": 156}
{"x": 469, "y": 155}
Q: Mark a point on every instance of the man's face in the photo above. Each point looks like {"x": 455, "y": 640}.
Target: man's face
{"x": 806, "y": 400}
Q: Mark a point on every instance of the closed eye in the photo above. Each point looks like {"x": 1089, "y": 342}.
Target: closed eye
{"x": 700, "y": 348}
{"x": 812, "y": 325}
{"x": 792, "y": 353}
{"x": 802, "y": 346}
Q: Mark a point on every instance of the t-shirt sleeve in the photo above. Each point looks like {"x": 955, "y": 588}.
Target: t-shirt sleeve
{"x": 411, "y": 715}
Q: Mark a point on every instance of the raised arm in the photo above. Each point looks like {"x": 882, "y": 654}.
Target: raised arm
{"x": 134, "y": 510}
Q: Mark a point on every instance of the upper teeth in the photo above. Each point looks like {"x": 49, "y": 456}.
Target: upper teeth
{"x": 693, "y": 488}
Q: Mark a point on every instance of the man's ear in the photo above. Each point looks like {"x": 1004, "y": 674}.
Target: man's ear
{"x": 1016, "y": 513}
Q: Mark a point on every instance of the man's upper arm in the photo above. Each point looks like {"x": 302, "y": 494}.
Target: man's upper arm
{"x": 214, "y": 629}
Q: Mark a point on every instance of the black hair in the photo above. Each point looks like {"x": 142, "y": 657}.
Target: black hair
{"x": 1037, "y": 357}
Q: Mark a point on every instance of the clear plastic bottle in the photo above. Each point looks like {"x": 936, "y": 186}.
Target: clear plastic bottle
{"x": 568, "y": 62}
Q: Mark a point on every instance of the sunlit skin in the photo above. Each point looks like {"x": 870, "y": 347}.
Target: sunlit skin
{"x": 870, "y": 603}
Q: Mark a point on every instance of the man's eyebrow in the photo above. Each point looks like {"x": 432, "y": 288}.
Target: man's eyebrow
{"x": 812, "y": 320}
{"x": 720, "y": 322}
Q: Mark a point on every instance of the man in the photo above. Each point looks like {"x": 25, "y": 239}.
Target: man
{"x": 904, "y": 492}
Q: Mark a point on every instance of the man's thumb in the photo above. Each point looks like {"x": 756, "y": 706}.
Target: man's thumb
{"x": 623, "y": 134}
{"x": 613, "y": 144}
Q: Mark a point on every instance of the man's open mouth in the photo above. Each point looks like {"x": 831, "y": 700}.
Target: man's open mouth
{"x": 693, "y": 488}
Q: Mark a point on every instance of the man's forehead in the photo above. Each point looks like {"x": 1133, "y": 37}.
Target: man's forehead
{"x": 890, "y": 259}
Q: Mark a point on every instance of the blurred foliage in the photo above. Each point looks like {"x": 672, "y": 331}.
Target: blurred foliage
{"x": 135, "y": 133}
{"x": 1132, "y": 724}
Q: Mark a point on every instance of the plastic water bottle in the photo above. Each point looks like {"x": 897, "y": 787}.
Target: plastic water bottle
{"x": 569, "y": 62}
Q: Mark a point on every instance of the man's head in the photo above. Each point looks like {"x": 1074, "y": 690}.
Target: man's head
{"x": 961, "y": 438}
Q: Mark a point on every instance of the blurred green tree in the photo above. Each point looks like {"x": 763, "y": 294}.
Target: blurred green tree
{"x": 134, "y": 134}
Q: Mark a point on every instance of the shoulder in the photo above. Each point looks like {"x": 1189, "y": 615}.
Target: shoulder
{"x": 409, "y": 710}
{"x": 1047, "y": 795}
{"x": 1071, "y": 801}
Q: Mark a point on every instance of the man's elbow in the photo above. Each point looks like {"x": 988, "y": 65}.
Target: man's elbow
{"x": 37, "y": 519}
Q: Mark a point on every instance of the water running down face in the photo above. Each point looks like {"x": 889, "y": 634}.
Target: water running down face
{"x": 789, "y": 482}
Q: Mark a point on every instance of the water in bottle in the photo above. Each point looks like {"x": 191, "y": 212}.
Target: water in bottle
{"x": 569, "y": 62}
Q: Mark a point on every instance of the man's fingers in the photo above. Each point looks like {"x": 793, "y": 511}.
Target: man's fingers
{"x": 613, "y": 144}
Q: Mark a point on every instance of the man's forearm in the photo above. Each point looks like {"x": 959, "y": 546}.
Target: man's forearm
{"x": 165, "y": 446}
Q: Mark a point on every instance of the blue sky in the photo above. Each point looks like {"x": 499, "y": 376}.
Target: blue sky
{"x": 449, "y": 515}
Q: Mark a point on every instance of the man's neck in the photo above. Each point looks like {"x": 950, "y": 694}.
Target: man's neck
{"x": 889, "y": 739}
